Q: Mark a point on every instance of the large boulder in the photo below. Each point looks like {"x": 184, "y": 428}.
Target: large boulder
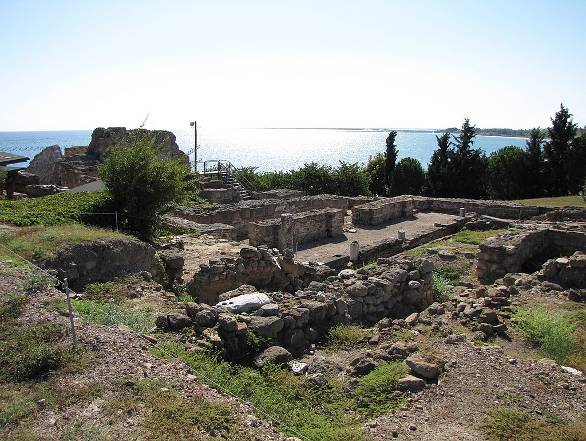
{"x": 245, "y": 302}
{"x": 274, "y": 355}
{"x": 44, "y": 165}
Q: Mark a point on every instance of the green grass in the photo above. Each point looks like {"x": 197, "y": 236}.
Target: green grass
{"x": 504, "y": 424}
{"x": 58, "y": 209}
{"x": 299, "y": 408}
{"x": 34, "y": 243}
{"x": 342, "y": 337}
{"x": 468, "y": 238}
{"x": 561, "y": 201}
{"x": 115, "y": 291}
{"x": 376, "y": 394}
{"x": 555, "y": 332}
{"x": 169, "y": 415}
{"x": 101, "y": 313}
{"x": 441, "y": 291}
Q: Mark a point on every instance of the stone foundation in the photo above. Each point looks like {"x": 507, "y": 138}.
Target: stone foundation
{"x": 260, "y": 267}
{"x": 290, "y": 230}
{"x": 221, "y": 195}
{"x": 279, "y": 193}
{"x": 382, "y": 210}
{"x": 525, "y": 249}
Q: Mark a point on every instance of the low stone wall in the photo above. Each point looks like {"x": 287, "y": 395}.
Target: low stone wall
{"x": 279, "y": 193}
{"x": 295, "y": 321}
{"x": 104, "y": 260}
{"x": 292, "y": 229}
{"x": 525, "y": 249}
{"x": 241, "y": 214}
{"x": 568, "y": 272}
{"x": 259, "y": 267}
{"x": 382, "y": 210}
{"x": 500, "y": 209}
{"x": 221, "y": 195}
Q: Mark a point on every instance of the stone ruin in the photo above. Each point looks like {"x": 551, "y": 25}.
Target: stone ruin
{"x": 79, "y": 165}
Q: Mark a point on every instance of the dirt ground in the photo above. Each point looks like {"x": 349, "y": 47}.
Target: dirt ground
{"x": 200, "y": 250}
{"x": 339, "y": 246}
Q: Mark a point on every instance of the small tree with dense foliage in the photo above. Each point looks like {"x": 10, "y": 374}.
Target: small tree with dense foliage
{"x": 408, "y": 177}
{"x": 534, "y": 163}
{"x": 469, "y": 165}
{"x": 507, "y": 169}
{"x": 557, "y": 151}
{"x": 141, "y": 186}
{"x": 351, "y": 179}
{"x": 375, "y": 169}
{"x": 439, "y": 168}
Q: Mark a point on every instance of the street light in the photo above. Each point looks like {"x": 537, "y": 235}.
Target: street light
{"x": 194, "y": 125}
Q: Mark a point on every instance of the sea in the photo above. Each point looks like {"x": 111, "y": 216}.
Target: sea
{"x": 270, "y": 149}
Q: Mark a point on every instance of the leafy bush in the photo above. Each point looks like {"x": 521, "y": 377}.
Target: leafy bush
{"x": 503, "y": 424}
{"x": 441, "y": 291}
{"x": 375, "y": 169}
{"x": 376, "y": 392}
{"x": 551, "y": 331}
{"x": 507, "y": 173}
{"x": 142, "y": 187}
{"x": 107, "y": 314}
{"x": 346, "y": 336}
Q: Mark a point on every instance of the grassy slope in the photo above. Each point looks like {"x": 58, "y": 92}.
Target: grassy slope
{"x": 562, "y": 201}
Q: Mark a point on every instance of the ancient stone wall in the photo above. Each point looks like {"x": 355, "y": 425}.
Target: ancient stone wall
{"x": 382, "y": 210}
{"x": 525, "y": 249}
{"x": 241, "y": 214}
{"x": 290, "y": 230}
{"x": 279, "y": 193}
{"x": 221, "y": 195}
{"x": 261, "y": 267}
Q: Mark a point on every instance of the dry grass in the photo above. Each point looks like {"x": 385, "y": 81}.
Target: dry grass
{"x": 561, "y": 201}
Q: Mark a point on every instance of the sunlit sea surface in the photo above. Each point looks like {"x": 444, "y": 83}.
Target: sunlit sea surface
{"x": 269, "y": 149}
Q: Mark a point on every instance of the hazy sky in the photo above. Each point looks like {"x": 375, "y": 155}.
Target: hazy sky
{"x": 277, "y": 63}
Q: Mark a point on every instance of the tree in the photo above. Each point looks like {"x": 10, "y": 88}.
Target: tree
{"x": 557, "y": 151}
{"x": 438, "y": 171}
{"x": 408, "y": 177}
{"x": 507, "y": 168}
{"x": 351, "y": 179}
{"x": 534, "y": 163}
{"x": 577, "y": 164}
{"x": 141, "y": 186}
{"x": 469, "y": 165}
{"x": 390, "y": 157}
{"x": 375, "y": 168}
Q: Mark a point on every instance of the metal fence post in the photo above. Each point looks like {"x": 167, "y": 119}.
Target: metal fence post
{"x": 70, "y": 309}
{"x": 116, "y": 219}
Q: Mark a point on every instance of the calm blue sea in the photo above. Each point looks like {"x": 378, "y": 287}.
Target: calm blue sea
{"x": 269, "y": 149}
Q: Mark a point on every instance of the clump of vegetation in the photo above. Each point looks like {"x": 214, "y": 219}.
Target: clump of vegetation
{"x": 143, "y": 187}
{"x": 440, "y": 287}
{"x": 343, "y": 336}
{"x": 116, "y": 291}
{"x": 553, "y": 331}
{"x": 300, "y": 409}
{"x": 58, "y": 209}
{"x": 35, "y": 243}
{"x": 474, "y": 237}
{"x": 27, "y": 353}
{"x": 169, "y": 415}
{"x": 376, "y": 392}
{"x": 102, "y": 313}
{"x": 503, "y": 424}
{"x": 450, "y": 273}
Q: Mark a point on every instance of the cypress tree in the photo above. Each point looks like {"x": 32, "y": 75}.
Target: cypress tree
{"x": 469, "y": 165}
{"x": 557, "y": 151}
{"x": 390, "y": 157}
{"x": 534, "y": 157}
{"x": 438, "y": 171}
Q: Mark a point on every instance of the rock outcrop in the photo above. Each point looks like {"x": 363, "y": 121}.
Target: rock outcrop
{"x": 44, "y": 164}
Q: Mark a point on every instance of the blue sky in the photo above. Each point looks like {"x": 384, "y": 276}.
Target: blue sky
{"x": 81, "y": 64}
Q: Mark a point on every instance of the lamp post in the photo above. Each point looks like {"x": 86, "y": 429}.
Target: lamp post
{"x": 194, "y": 125}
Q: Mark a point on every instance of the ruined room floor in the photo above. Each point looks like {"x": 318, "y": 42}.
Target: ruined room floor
{"x": 327, "y": 249}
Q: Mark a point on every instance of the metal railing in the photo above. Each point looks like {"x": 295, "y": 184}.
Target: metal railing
{"x": 224, "y": 170}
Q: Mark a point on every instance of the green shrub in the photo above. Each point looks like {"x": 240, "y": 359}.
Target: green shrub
{"x": 29, "y": 353}
{"x": 551, "y": 331}
{"x": 346, "y": 336}
{"x": 408, "y": 177}
{"x": 376, "y": 392}
{"x": 108, "y": 314}
{"x": 504, "y": 424}
{"x": 441, "y": 291}
{"x": 474, "y": 237}
{"x": 449, "y": 273}
{"x": 142, "y": 187}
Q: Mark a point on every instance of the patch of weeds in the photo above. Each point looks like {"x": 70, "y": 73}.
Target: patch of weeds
{"x": 342, "y": 337}
{"x": 367, "y": 267}
{"x": 503, "y": 424}
{"x": 185, "y": 298}
{"x": 299, "y": 408}
{"x": 138, "y": 320}
{"x": 449, "y": 273}
{"x": 255, "y": 342}
{"x": 440, "y": 288}
{"x": 116, "y": 291}
{"x": 552, "y": 331}
{"x": 474, "y": 237}
{"x": 376, "y": 394}
{"x": 37, "y": 281}
{"x": 36, "y": 243}
{"x": 168, "y": 415}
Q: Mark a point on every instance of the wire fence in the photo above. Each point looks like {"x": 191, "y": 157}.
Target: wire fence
{"x": 69, "y": 293}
